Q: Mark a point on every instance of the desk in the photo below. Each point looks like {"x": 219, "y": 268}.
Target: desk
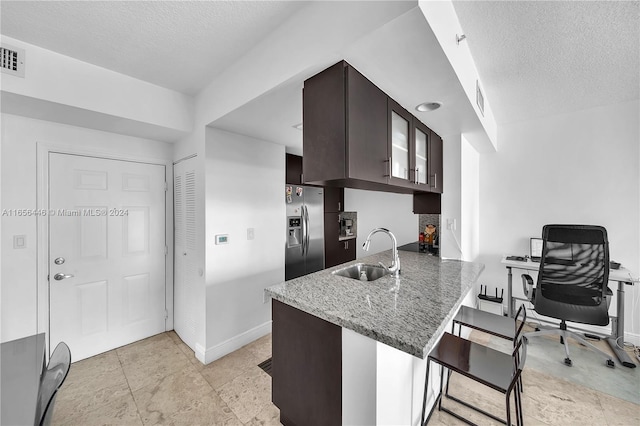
{"x": 22, "y": 363}
{"x": 622, "y": 276}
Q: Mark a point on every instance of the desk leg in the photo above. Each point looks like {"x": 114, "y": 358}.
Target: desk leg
{"x": 509, "y": 295}
{"x": 623, "y": 357}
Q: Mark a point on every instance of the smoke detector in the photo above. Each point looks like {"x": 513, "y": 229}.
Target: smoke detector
{"x": 12, "y": 60}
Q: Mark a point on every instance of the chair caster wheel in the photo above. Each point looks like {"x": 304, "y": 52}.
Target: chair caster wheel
{"x": 610, "y": 363}
{"x": 568, "y": 362}
{"x": 562, "y": 343}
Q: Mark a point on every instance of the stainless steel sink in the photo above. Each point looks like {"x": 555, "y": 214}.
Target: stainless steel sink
{"x": 362, "y": 272}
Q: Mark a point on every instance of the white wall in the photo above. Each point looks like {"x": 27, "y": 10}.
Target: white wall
{"x": 470, "y": 205}
{"x": 580, "y": 167}
{"x": 382, "y": 210}
{"x": 450, "y": 239}
{"x": 63, "y": 81}
{"x": 19, "y": 138}
{"x": 244, "y": 189}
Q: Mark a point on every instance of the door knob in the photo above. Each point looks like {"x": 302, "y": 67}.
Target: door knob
{"x": 60, "y": 276}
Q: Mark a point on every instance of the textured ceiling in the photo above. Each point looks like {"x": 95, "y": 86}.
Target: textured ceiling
{"x": 538, "y": 58}
{"x": 181, "y": 45}
{"x": 534, "y": 58}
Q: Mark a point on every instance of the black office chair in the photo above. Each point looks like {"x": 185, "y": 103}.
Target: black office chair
{"x": 572, "y": 281}
{"x": 498, "y": 370}
{"x": 53, "y": 377}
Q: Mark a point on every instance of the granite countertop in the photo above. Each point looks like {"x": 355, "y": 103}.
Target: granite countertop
{"x": 408, "y": 313}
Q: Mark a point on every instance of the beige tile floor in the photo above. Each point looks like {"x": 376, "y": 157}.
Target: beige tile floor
{"x": 159, "y": 381}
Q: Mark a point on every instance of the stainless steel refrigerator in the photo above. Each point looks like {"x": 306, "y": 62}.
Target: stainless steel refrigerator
{"x": 304, "y": 248}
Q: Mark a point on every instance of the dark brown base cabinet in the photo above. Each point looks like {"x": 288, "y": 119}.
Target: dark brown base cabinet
{"x": 339, "y": 252}
{"x": 306, "y": 368}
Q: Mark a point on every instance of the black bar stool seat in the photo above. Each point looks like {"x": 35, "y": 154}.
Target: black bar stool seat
{"x": 478, "y": 362}
{"x": 496, "y": 325}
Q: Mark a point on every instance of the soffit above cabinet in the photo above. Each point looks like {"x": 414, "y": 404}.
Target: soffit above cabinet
{"x": 402, "y": 57}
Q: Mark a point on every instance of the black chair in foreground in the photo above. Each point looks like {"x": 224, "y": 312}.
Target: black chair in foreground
{"x": 498, "y": 370}
{"x": 572, "y": 281}
{"x": 52, "y": 379}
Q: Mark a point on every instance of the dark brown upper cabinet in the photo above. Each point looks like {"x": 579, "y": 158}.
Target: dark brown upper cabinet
{"x": 333, "y": 199}
{"x": 344, "y": 130}
{"x": 435, "y": 164}
{"x": 408, "y": 149}
{"x": 293, "y": 169}
{"x": 355, "y": 136}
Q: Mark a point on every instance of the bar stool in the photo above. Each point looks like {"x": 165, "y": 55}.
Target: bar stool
{"x": 497, "y": 370}
{"x": 496, "y": 325}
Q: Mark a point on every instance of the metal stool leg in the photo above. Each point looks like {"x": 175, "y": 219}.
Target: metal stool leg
{"x": 424, "y": 398}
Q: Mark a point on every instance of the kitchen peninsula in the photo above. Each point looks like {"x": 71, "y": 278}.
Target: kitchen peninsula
{"x": 347, "y": 351}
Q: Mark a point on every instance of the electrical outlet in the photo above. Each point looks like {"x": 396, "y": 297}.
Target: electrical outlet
{"x": 451, "y": 224}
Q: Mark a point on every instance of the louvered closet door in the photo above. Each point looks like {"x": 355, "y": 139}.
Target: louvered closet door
{"x": 185, "y": 268}
{"x": 106, "y": 252}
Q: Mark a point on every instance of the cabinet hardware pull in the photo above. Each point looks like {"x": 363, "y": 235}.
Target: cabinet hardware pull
{"x": 417, "y": 176}
{"x": 388, "y": 175}
{"x": 346, "y": 245}
{"x": 435, "y": 180}
{"x": 339, "y": 206}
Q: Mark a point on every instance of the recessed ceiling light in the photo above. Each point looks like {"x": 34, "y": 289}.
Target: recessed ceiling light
{"x": 298, "y": 126}
{"x": 428, "y": 106}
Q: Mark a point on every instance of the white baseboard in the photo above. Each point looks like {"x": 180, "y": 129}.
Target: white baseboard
{"x": 236, "y": 342}
{"x": 632, "y": 338}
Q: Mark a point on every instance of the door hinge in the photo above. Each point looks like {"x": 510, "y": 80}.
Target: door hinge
{"x": 166, "y": 314}
{"x": 166, "y": 250}
{"x": 166, "y": 187}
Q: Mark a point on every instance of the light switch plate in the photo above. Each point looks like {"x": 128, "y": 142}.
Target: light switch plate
{"x": 19, "y": 241}
{"x": 250, "y": 233}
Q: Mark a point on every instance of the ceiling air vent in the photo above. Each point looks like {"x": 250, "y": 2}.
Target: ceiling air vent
{"x": 12, "y": 60}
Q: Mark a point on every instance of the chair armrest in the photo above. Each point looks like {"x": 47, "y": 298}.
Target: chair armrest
{"x": 527, "y": 286}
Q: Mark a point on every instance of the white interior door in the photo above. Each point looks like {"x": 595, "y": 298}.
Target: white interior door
{"x": 106, "y": 252}
{"x": 186, "y": 265}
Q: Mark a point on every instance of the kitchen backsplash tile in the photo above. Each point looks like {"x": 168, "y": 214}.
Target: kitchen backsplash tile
{"x": 429, "y": 219}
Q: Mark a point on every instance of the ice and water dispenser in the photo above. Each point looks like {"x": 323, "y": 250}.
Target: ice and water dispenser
{"x": 294, "y": 231}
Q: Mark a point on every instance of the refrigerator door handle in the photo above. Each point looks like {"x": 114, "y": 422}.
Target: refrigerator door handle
{"x": 306, "y": 212}
{"x": 305, "y": 231}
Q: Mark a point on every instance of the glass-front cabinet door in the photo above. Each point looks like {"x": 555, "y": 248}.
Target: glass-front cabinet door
{"x": 399, "y": 144}
{"x": 421, "y": 155}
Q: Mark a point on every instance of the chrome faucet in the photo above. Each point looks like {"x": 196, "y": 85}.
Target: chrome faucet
{"x": 395, "y": 264}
